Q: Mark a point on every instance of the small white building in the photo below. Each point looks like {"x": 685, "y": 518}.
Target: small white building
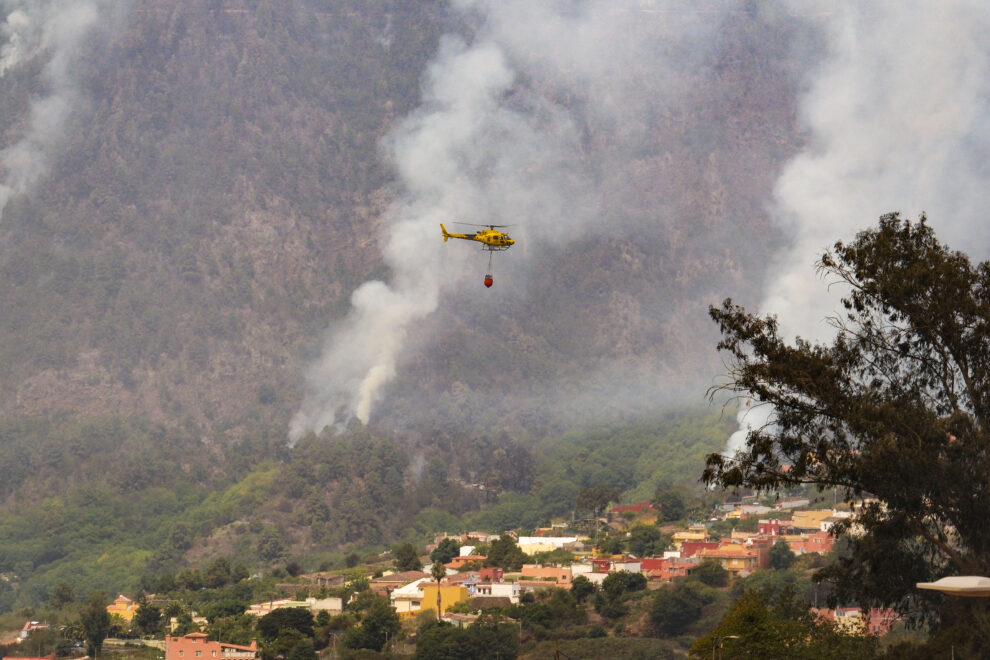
{"x": 628, "y": 565}
{"x": 510, "y": 590}
{"x": 410, "y": 597}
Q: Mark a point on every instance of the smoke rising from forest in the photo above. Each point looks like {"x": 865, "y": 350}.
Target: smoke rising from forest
{"x": 490, "y": 144}
{"x": 898, "y": 113}
{"x": 55, "y": 30}
{"x": 556, "y": 115}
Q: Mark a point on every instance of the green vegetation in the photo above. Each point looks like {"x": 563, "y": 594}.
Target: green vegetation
{"x": 129, "y": 504}
{"x": 782, "y": 628}
{"x": 487, "y": 639}
{"x": 896, "y": 408}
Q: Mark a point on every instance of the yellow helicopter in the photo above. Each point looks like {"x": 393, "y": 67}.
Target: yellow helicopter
{"x": 491, "y": 239}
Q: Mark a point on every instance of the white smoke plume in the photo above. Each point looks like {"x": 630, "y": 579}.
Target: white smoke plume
{"x": 55, "y": 30}
{"x": 898, "y": 115}
{"x": 436, "y": 152}
{"x": 485, "y": 148}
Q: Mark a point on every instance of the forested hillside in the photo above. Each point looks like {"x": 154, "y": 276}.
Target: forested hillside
{"x": 213, "y": 204}
{"x": 215, "y": 191}
{"x": 116, "y": 504}
{"x": 218, "y": 195}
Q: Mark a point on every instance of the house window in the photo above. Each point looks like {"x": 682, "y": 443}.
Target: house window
{"x": 181, "y": 653}
{"x": 214, "y": 654}
{"x": 199, "y": 653}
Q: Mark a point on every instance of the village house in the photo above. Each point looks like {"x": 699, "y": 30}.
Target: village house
{"x": 408, "y": 598}
{"x": 123, "y": 607}
{"x": 692, "y": 548}
{"x": 491, "y": 574}
{"x": 331, "y": 605}
{"x": 459, "y": 620}
{"x": 692, "y": 533}
{"x": 30, "y": 626}
{"x": 534, "y": 544}
{"x": 324, "y": 580}
{"x": 449, "y": 595}
{"x": 627, "y": 564}
{"x": 734, "y": 557}
{"x": 741, "y": 536}
{"x": 810, "y": 520}
{"x": 558, "y": 575}
{"x": 509, "y": 590}
{"x": 458, "y": 563}
{"x": 195, "y": 645}
{"x": 201, "y": 621}
{"x": 668, "y": 568}
{"x": 820, "y": 542}
{"x": 836, "y": 517}
{"x": 386, "y": 583}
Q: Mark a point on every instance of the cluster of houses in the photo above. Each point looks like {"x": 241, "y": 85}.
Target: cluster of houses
{"x": 742, "y": 553}
{"x": 466, "y": 582}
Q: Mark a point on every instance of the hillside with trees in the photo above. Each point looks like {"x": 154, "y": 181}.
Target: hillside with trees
{"x": 219, "y": 192}
{"x": 213, "y": 196}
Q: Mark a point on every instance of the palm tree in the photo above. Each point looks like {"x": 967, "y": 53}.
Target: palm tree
{"x": 439, "y": 572}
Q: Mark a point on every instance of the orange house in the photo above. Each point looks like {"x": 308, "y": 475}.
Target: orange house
{"x": 194, "y": 646}
{"x": 560, "y": 575}
{"x": 457, "y": 563}
{"x": 734, "y": 558}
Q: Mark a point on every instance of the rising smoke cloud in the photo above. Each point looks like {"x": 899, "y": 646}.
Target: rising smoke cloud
{"x": 484, "y": 148}
{"x": 462, "y": 157}
{"x": 894, "y": 111}
{"x": 57, "y": 31}
{"x": 898, "y": 114}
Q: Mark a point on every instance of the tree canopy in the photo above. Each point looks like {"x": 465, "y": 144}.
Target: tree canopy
{"x": 784, "y": 628}
{"x": 894, "y": 411}
{"x": 406, "y": 558}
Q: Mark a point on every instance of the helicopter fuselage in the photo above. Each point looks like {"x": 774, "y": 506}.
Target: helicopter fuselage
{"x": 492, "y": 239}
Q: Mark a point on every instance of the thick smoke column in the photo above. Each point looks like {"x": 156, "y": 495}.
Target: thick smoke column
{"x": 899, "y": 120}
{"x": 496, "y": 141}
{"x": 57, "y": 30}
{"x": 458, "y": 159}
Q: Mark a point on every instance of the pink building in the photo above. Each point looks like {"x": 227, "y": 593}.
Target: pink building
{"x": 667, "y": 569}
{"x": 820, "y": 542}
{"x": 195, "y": 645}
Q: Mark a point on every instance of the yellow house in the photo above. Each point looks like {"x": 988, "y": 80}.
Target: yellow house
{"x": 449, "y": 594}
{"x": 734, "y": 558}
{"x": 693, "y": 533}
{"x": 811, "y": 519}
{"x": 739, "y": 535}
{"x": 123, "y": 607}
